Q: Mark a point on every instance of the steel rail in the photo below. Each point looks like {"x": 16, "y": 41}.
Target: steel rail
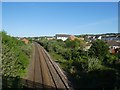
{"x": 66, "y": 87}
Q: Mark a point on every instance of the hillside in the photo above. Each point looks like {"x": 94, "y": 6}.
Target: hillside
{"x": 15, "y": 59}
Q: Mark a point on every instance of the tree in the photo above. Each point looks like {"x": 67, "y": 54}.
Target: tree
{"x": 74, "y": 44}
{"x": 99, "y": 49}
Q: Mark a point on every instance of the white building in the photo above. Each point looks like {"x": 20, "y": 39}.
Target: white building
{"x": 100, "y": 37}
{"x": 62, "y": 36}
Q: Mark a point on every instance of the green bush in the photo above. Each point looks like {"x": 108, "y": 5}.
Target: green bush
{"x": 94, "y": 64}
{"x": 99, "y": 49}
{"x": 15, "y": 56}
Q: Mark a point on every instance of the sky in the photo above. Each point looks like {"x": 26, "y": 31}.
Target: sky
{"x": 0, "y": 15}
{"x": 49, "y": 18}
{"x": 60, "y": 0}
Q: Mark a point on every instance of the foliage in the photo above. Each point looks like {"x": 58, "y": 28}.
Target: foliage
{"x": 99, "y": 49}
{"x": 15, "y": 56}
{"x": 83, "y": 65}
{"x": 94, "y": 64}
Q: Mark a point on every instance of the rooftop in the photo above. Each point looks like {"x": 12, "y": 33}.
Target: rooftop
{"x": 113, "y": 43}
{"x": 62, "y": 35}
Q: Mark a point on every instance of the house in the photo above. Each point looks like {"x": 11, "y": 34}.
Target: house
{"x": 94, "y": 37}
{"x": 115, "y": 38}
{"x": 46, "y": 37}
{"x": 97, "y": 37}
{"x": 87, "y": 47}
{"x": 26, "y": 41}
{"x": 62, "y": 36}
{"x": 72, "y": 37}
{"x": 49, "y": 37}
{"x": 113, "y": 46}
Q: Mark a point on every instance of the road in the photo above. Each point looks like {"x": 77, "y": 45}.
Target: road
{"x": 44, "y": 73}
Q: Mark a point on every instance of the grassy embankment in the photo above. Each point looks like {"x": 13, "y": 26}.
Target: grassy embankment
{"x": 15, "y": 59}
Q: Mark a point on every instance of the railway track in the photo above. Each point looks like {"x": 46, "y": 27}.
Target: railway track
{"x": 45, "y": 73}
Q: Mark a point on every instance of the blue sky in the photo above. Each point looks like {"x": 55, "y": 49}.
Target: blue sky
{"x": 39, "y": 19}
{"x": 0, "y": 15}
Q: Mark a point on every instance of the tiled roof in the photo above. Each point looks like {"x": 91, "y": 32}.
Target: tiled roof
{"x": 72, "y": 37}
{"x": 113, "y": 43}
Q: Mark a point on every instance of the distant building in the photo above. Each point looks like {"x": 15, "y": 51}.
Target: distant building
{"x": 26, "y": 41}
{"x": 49, "y": 38}
{"x": 113, "y": 46}
{"x": 115, "y": 38}
{"x": 99, "y": 37}
{"x": 72, "y": 37}
{"x": 87, "y": 47}
{"x": 46, "y": 37}
{"x": 62, "y": 36}
{"x": 94, "y": 37}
